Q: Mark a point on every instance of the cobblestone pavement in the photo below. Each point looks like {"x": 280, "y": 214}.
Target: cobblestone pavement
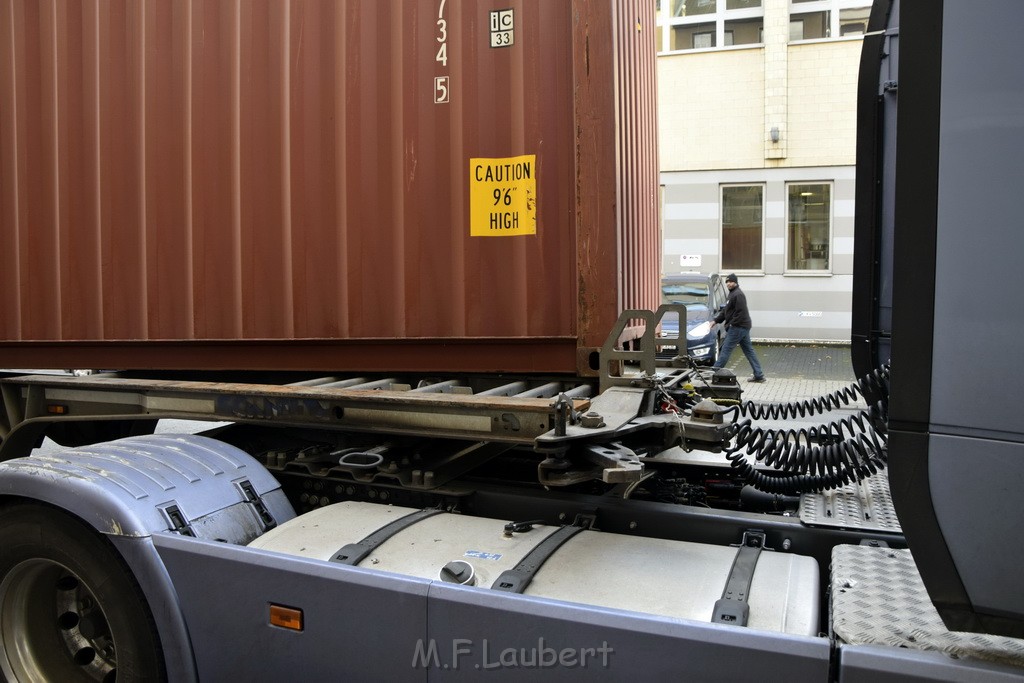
{"x": 795, "y": 372}
{"x": 797, "y": 361}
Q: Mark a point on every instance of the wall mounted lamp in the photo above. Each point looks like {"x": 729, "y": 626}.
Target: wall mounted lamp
{"x": 775, "y": 133}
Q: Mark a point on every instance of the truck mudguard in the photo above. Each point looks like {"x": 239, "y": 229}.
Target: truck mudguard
{"x": 130, "y": 489}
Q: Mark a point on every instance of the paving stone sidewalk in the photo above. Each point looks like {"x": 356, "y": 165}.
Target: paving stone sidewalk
{"x": 795, "y": 372}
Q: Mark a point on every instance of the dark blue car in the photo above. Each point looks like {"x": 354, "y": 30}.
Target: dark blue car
{"x": 704, "y": 296}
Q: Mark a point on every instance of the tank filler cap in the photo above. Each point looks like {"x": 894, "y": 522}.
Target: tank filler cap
{"x": 458, "y": 571}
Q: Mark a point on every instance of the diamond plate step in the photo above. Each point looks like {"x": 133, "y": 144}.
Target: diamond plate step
{"x": 865, "y": 505}
{"x": 878, "y": 598}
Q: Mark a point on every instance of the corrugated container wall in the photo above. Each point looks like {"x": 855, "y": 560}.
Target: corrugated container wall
{"x": 324, "y": 184}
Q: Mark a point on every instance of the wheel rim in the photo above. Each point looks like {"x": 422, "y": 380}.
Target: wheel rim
{"x": 52, "y": 627}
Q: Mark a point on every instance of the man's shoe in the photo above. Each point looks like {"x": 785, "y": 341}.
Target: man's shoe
{"x": 756, "y": 379}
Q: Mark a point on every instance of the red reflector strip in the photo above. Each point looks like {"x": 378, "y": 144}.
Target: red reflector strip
{"x": 286, "y": 617}
{"x": 54, "y": 409}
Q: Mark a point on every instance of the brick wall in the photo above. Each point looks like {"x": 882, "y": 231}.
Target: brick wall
{"x": 711, "y": 109}
{"x": 823, "y": 103}
{"x": 716, "y": 109}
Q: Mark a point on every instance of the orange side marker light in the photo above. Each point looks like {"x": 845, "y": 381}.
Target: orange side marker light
{"x": 286, "y": 617}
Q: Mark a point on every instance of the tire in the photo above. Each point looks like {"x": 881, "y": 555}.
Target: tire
{"x": 715, "y": 350}
{"x": 70, "y": 610}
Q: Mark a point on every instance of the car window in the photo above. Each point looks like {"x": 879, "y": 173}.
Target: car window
{"x": 696, "y": 313}
{"x": 684, "y": 293}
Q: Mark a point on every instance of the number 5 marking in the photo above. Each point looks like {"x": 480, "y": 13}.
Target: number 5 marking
{"x": 440, "y": 89}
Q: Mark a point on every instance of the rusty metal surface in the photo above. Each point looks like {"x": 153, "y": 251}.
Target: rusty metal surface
{"x": 194, "y": 183}
{"x": 392, "y": 407}
{"x": 380, "y": 397}
{"x": 517, "y": 355}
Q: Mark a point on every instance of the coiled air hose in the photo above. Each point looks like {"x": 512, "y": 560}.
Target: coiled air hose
{"x": 816, "y": 458}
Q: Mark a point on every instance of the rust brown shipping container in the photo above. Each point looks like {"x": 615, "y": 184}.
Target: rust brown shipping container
{"x": 324, "y": 184}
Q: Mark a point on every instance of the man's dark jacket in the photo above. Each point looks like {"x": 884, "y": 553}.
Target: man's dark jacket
{"x": 736, "y": 313}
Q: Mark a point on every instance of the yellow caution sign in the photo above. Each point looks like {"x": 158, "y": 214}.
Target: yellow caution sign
{"x": 503, "y": 196}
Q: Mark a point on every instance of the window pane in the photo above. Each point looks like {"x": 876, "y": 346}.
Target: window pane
{"x": 741, "y": 227}
{"x": 744, "y": 31}
{"x": 810, "y": 26}
{"x": 689, "y": 8}
{"x": 742, "y": 4}
{"x": 693, "y": 36}
{"x": 810, "y": 215}
{"x": 853, "y": 21}
{"x": 688, "y": 293}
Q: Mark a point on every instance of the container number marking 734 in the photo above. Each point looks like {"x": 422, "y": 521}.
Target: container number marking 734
{"x": 442, "y": 93}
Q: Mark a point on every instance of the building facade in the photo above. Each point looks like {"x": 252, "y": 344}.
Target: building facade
{"x": 757, "y": 140}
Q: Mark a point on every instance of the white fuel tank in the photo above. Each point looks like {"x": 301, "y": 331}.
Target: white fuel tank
{"x": 655, "y": 576}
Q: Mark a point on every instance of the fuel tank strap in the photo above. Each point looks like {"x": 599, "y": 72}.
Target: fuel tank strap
{"x": 354, "y": 553}
{"x": 516, "y": 580}
{"x": 733, "y": 607}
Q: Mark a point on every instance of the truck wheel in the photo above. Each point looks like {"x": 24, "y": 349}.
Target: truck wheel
{"x": 69, "y": 607}
{"x": 716, "y": 348}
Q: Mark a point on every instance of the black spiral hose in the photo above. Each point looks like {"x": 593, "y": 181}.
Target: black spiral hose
{"x": 873, "y": 388}
{"x": 817, "y": 458}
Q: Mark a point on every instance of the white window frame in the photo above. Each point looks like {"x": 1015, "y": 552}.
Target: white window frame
{"x": 834, "y": 7}
{"x": 666, "y": 22}
{"x": 721, "y": 228}
{"x": 786, "y": 270}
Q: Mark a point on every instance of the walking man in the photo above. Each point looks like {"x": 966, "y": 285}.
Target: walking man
{"x": 736, "y": 317}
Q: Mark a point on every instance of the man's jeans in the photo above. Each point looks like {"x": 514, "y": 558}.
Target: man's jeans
{"x": 739, "y": 335}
